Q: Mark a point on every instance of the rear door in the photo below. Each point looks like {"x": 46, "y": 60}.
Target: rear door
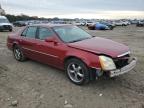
{"x": 28, "y": 41}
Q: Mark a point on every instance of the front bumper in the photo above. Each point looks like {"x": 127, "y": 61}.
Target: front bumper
{"x": 5, "y": 27}
{"x": 125, "y": 69}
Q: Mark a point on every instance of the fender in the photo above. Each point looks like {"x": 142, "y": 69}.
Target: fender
{"x": 90, "y": 59}
{"x": 11, "y": 43}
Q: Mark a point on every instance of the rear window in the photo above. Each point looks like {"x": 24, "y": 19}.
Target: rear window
{"x": 31, "y": 32}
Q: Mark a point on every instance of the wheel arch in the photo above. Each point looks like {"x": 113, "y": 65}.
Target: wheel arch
{"x": 92, "y": 74}
{"x": 14, "y": 44}
{"x": 73, "y": 57}
{"x": 90, "y": 59}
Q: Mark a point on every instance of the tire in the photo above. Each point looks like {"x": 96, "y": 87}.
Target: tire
{"x": 18, "y": 54}
{"x": 111, "y": 28}
{"x": 10, "y": 30}
{"x": 77, "y": 71}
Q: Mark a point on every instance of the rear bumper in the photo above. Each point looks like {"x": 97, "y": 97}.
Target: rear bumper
{"x": 125, "y": 69}
{"x": 9, "y": 46}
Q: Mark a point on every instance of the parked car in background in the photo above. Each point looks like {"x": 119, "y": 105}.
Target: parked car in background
{"x": 89, "y": 23}
{"x": 126, "y": 23}
{"x": 31, "y": 22}
{"x": 110, "y": 25}
{"x": 58, "y": 22}
{"x": 98, "y": 26}
{"x": 70, "y": 48}
{"x": 5, "y": 24}
{"x": 118, "y": 23}
{"x": 19, "y": 23}
{"x": 134, "y": 21}
{"x": 78, "y": 23}
{"x": 121, "y": 23}
{"x": 140, "y": 24}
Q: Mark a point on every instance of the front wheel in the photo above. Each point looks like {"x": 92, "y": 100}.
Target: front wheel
{"x": 77, "y": 71}
{"x": 18, "y": 54}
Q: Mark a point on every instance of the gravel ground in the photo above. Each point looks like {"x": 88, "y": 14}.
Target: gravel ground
{"x": 34, "y": 85}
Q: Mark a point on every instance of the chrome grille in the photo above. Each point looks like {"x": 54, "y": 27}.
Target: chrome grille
{"x": 121, "y": 61}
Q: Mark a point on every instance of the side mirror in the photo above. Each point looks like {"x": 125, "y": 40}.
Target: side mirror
{"x": 50, "y": 39}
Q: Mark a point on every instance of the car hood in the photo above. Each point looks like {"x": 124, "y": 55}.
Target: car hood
{"x": 6, "y": 24}
{"x": 99, "y": 45}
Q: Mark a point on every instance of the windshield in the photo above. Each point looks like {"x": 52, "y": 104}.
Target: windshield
{"x": 71, "y": 33}
{"x": 4, "y": 21}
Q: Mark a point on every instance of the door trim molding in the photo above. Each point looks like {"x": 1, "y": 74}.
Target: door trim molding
{"x": 40, "y": 52}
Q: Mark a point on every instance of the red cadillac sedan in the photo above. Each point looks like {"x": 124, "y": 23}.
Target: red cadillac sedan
{"x": 67, "y": 47}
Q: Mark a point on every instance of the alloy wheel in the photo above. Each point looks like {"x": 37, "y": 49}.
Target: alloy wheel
{"x": 17, "y": 53}
{"x": 75, "y": 72}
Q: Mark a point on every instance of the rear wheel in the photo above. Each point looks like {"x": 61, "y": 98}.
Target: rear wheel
{"x": 77, "y": 71}
{"x": 18, "y": 54}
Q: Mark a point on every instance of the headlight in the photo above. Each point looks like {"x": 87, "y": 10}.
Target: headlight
{"x": 107, "y": 63}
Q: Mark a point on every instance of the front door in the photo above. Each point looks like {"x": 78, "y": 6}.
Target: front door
{"x": 49, "y": 52}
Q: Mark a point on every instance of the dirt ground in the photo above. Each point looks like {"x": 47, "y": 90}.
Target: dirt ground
{"x": 34, "y": 85}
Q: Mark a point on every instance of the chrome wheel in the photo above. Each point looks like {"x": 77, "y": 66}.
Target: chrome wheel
{"x": 75, "y": 72}
{"x": 17, "y": 53}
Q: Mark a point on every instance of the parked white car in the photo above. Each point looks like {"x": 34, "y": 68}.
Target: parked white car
{"x": 88, "y": 23}
{"x": 77, "y": 23}
{"x": 122, "y": 23}
{"x": 126, "y": 23}
{"x": 5, "y": 24}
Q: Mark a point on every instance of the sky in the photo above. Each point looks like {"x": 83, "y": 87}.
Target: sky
{"x": 104, "y": 9}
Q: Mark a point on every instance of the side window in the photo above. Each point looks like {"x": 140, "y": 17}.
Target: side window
{"x": 24, "y": 32}
{"x": 31, "y": 32}
{"x": 44, "y": 33}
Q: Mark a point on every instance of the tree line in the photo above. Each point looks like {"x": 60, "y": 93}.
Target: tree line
{"x": 13, "y": 18}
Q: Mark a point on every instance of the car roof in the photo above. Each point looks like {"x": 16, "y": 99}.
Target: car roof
{"x": 51, "y": 25}
{"x": 3, "y": 17}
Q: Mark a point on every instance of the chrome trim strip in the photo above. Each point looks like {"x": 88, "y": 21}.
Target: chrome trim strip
{"x": 123, "y": 54}
{"x": 40, "y": 52}
{"x": 33, "y": 38}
